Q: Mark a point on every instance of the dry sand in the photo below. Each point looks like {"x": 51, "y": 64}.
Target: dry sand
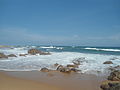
{"x": 12, "y": 83}
{"x": 35, "y": 80}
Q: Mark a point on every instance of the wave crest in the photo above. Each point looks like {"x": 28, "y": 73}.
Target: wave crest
{"x": 98, "y": 49}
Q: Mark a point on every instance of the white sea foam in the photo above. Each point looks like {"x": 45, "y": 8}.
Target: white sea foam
{"x": 47, "y": 47}
{"x": 50, "y": 47}
{"x": 98, "y": 49}
{"x": 92, "y": 62}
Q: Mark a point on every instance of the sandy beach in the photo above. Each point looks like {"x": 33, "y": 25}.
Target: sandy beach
{"x": 12, "y": 83}
{"x": 35, "y": 80}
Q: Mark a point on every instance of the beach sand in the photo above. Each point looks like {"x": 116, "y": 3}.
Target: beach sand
{"x": 36, "y": 80}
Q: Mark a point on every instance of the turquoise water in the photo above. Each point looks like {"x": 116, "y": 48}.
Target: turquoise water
{"x": 82, "y": 49}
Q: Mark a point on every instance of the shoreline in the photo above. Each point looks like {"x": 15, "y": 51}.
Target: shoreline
{"x": 48, "y": 81}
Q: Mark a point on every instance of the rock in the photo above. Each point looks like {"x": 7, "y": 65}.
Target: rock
{"x": 59, "y": 67}
{"x": 35, "y": 51}
{"x": 23, "y": 54}
{"x": 104, "y": 86}
{"x": 75, "y": 70}
{"x": 2, "y": 55}
{"x": 78, "y": 60}
{"x": 114, "y": 58}
{"x": 108, "y": 62}
{"x": 114, "y": 86}
{"x": 12, "y": 55}
{"x": 114, "y": 76}
{"x": 63, "y": 69}
{"x": 56, "y": 64}
{"x": 110, "y": 85}
{"x": 118, "y": 66}
{"x": 44, "y": 70}
{"x": 72, "y": 66}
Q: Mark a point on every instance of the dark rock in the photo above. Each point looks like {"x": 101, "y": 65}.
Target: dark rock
{"x": 12, "y": 55}
{"x": 35, "y": 51}
{"x": 44, "y": 70}
{"x": 59, "y": 67}
{"x": 56, "y": 64}
{"x": 114, "y": 86}
{"x": 118, "y": 66}
{"x": 72, "y": 66}
{"x": 110, "y": 85}
{"x": 75, "y": 70}
{"x": 108, "y": 62}
{"x": 104, "y": 86}
{"x": 114, "y": 76}
{"x": 63, "y": 69}
{"x": 76, "y": 62}
{"x": 67, "y": 69}
{"x": 23, "y": 54}
{"x": 2, "y": 55}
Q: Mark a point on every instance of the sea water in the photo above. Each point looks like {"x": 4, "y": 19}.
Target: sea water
{"x": 93, "y": 58}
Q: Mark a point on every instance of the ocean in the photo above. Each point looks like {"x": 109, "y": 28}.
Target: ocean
{"x": 92, "y": 58}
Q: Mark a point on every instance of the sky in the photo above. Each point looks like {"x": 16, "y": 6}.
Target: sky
{"x": 60, "y": 22}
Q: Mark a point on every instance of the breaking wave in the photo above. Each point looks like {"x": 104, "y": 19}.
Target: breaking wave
{"x": 98, "y": 49}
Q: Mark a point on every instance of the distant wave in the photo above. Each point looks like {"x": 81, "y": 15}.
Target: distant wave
{"x": 50, "y": 47}
{"x": 98, "y": 49}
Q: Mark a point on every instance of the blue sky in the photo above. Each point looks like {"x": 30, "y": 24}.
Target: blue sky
{"x": 60, "y": 22}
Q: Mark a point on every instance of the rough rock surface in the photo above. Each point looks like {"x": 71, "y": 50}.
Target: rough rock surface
{"x": 108, "y": 62}
{"x": 35, "y": 51}
{"x": 12, "y": 55}
{"x": 44, "y": 70}
{"x": 110, "y": 85}
{"x": 2, "y": 55}
{"x": 66, "y": 69}
{"x": 113, "y": 82}
{"x": 114, "y": 76}
{"x": 23, "y": 54}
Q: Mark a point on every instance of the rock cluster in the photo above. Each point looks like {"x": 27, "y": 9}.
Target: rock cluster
{"x": 31, "y": 52}
{"x": 3, "y": 56}
{"x": 113, "y": 82}
{"x": 64, "y": 69}
{"x": 35, "y": 51}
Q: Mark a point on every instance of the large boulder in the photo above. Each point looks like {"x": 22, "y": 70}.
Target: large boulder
{"x": 35, "y": 51}
{"x": 108, "y": 62}
{"x": 114, "y": 76}
{"x": 2, "y": 55}
{"x": 12, "y": 55}
{"x": 110, "y": 85}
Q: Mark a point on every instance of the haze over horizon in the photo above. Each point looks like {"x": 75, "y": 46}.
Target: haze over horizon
{"x": 60, "y": 22}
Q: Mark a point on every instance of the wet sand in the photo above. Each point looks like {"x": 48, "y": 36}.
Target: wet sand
{"x": 36, "y": 80}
